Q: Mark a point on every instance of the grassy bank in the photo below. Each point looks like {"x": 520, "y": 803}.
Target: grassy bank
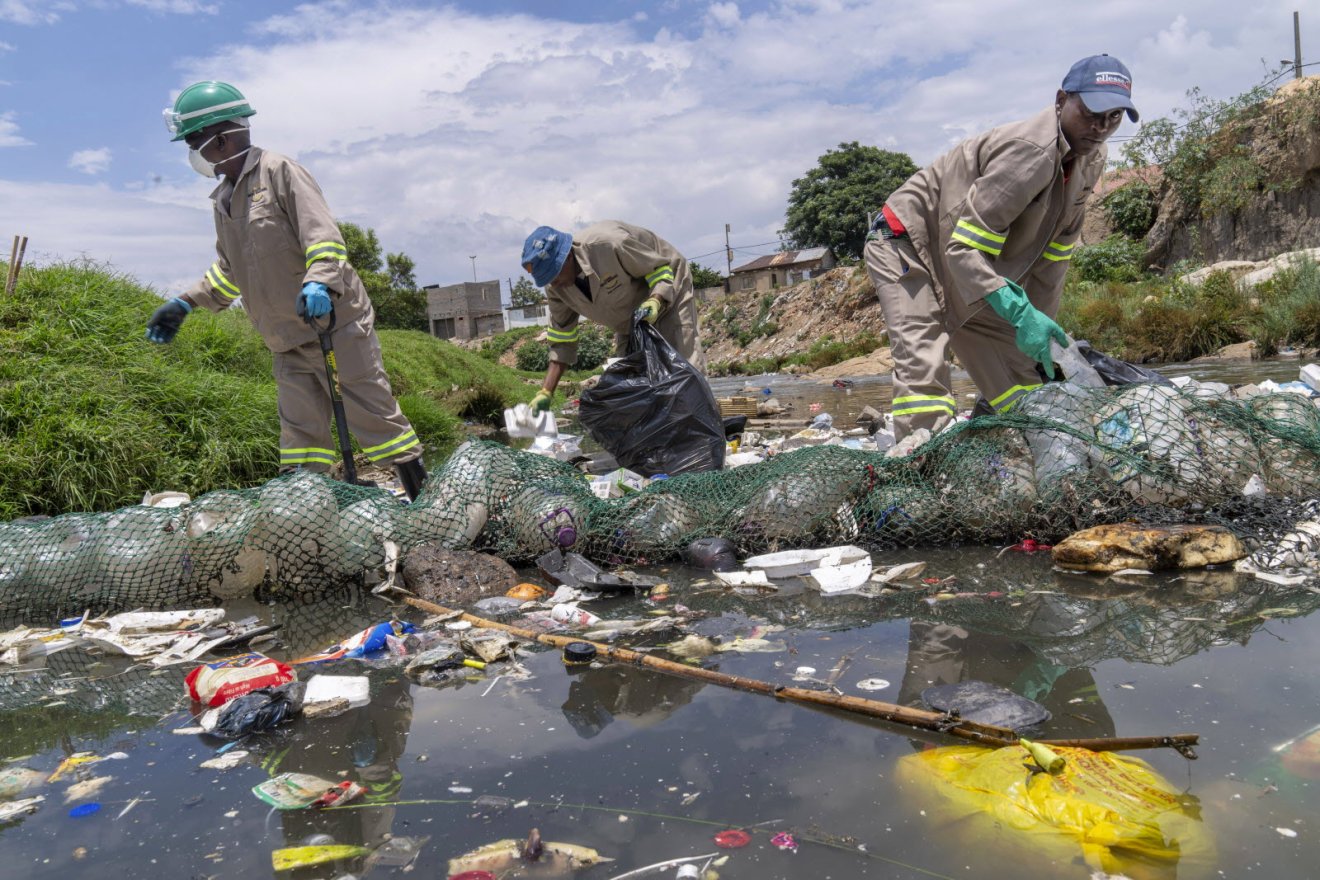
{"x": 92, "y": 415}
{"x": 824, "y": 352}
{"x": 1167, "y": 320}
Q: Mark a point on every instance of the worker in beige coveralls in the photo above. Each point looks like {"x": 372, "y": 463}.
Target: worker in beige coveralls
{"x": 971, "y": 252}
{"x": 278, "y": 246}
{"x": 607, "y": 272}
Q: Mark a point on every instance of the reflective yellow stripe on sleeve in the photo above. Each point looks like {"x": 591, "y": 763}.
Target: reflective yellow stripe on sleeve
{"x": 222, "y": 285}
{"x": 660, "y": 275}
{"x": 1058, "y": 253}
{"x": 972, "y": 235}
{"x": 561, "y": 336}
{"x": 326, "y": 250}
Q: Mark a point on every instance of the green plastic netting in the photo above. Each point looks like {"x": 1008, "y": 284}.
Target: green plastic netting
{"x": 1064, "y": 459}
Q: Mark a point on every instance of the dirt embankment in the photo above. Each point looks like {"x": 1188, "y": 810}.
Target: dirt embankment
{"x": 751, "y": 325}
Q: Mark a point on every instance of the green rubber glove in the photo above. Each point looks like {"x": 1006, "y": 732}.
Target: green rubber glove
{"x": 649, "y": 310}
{"x": 1034, "y": 328}
{"x": 541, "y": 402}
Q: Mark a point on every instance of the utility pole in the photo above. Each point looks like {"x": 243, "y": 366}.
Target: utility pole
{"x": 473, "y": 258}
{"x": 1297, "y": 45}
{"x": 728, "y": 251}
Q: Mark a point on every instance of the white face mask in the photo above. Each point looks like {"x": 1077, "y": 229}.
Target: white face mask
{"x": 203, "y": 167}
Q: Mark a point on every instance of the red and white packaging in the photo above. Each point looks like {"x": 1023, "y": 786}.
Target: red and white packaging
{"x": 572, "y": 615}
{"x": 217, "y": 683}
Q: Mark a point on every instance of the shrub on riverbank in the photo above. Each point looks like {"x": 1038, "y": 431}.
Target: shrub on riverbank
{"x": 92, "y": 414}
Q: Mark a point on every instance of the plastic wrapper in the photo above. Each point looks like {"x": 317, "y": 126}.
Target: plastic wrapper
{"x": 217, "y": 683}
{"x": 653, "y": 411}
{"x": 1121, "y": 815}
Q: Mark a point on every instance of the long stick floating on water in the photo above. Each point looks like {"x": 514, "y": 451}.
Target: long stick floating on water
{"x": 984, "y": 734}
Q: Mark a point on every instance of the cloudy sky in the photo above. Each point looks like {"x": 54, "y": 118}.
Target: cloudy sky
{"x": 455, "y": 129}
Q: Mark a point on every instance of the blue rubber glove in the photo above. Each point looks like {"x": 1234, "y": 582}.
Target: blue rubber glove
{"x": 314, "y": 301}
{"x": 1034, "y": 328}
{"x": 166, "y": 320}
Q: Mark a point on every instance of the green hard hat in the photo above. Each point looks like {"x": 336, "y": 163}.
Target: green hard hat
{"x": 203, "y": 104}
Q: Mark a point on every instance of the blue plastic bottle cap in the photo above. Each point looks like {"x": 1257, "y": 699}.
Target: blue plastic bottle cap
{"x": 655, "y": 477}
{"x": 84, "y": 810}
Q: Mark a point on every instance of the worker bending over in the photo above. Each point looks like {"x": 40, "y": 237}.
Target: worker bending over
{"x": 607, "y": 272}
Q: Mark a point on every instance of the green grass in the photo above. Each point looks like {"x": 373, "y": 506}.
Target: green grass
{"x": 92, "y": 414}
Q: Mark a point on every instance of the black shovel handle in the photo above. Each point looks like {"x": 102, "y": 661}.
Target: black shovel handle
{"x": 336, "y": 397}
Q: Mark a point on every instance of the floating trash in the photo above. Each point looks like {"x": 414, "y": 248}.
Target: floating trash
{"x": 873, "y": 684}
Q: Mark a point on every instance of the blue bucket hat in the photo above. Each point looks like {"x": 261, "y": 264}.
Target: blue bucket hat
{"x": 1103, "y": 83}
{"x": 545, "y": 250}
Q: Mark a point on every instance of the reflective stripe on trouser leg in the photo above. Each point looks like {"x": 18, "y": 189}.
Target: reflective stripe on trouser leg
{"x": 917, "y": 337}
{"x": 374, "y": 418}
{"x": 306, "y": 435}
{"x": 987, "y": 349}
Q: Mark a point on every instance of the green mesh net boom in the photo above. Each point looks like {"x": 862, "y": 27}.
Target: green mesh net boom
{"x": 1064, "y": 459}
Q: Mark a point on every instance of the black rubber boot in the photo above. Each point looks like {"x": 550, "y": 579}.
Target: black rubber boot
{"x": 413, "y": 476}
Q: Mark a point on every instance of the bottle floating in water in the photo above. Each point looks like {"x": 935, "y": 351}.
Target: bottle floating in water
{"x": 1075, "y": 366}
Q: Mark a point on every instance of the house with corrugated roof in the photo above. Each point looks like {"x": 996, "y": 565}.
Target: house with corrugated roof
{"x": 781, "y": 269}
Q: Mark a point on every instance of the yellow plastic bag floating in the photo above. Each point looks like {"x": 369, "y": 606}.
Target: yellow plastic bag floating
{"x": 1122, "y": 814}
{"x": 294, "y": 857}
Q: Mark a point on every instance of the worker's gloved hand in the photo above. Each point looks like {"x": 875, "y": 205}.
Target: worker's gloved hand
{"x": 1034, "y": 328}
{"x": 541, "y": 402}
{"x": 649, "y": 310}
{"x": 314, "y": 301}
{"x": 166, "y": 320}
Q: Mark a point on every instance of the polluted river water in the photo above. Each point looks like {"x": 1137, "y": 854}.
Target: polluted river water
{"x": 646, "y": 768}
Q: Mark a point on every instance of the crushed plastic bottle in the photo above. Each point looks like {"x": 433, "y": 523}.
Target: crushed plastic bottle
{"x": 1075, "y": 366}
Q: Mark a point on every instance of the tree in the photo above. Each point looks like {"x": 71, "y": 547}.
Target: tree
{"x": 389, "y": 280}
{"x": 828, "y": 205}
{"x": 525, "y": 294}
{"x": 400, "y": 267}
{"x": 703, "y": 277}
{"x": 363, "y": 247}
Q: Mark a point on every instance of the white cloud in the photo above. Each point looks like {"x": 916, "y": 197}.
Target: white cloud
{"x": 90, "y": 161}
{"x": 162, "y": 244}
{"x": 33, "y": 11}
{"x": 6, "y": 47}
{"x": 455, "y": 133}
{"x": 724, "y": 14}
{"x": 9, "y": 136}
{"x": 178, "y": 7}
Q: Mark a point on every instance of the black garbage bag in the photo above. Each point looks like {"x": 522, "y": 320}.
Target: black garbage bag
{"x": 653, "y": 411}
{"x": 260, "y": 711}
{"x": 1116, "y": 372}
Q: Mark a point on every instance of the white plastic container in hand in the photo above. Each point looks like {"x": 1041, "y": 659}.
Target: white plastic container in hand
{"x": 1076, "y": 368}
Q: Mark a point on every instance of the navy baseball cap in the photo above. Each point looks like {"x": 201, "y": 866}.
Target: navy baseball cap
{"x": 1104, "y": 84}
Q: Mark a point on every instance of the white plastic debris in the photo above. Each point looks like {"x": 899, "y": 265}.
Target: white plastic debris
{"x": 872, "y": 684}
{"x": 166, "y": 499}
{"x": 228, "y": 761}
{"x": 1255, "y": 486}
{"x": 797, "y": 563}
{"x": 904, "y": 571}
{"x": 743, "y": 578}
{"x": 522, "y": 421}
{"x": 842, "y": 578}
{"x": 1310, "y": 374}
{"x": 328, "y": 688}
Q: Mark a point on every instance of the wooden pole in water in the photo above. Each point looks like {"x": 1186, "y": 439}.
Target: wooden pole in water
{"x": 982, "y": 734}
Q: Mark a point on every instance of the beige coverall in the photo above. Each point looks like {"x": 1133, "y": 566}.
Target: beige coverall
{"x": 274, "y": 232}
{"x": 623, "y": 266}
{"x": 999, "y": 205}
